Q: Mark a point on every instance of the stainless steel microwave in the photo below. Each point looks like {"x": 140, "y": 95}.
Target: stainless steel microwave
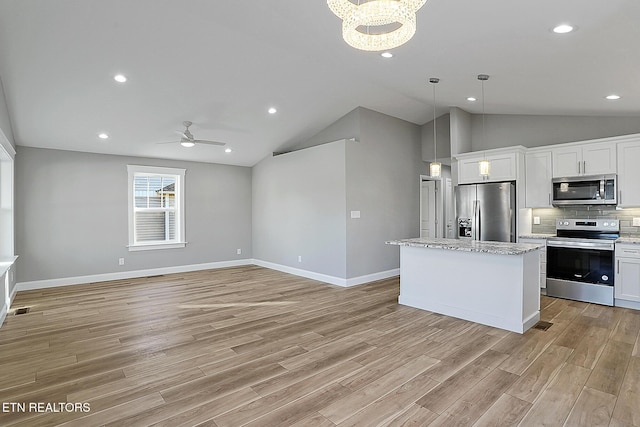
{"x": 585, "y": 190}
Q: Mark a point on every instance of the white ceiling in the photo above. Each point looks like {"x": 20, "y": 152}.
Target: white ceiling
{"x": 221, "y": 64}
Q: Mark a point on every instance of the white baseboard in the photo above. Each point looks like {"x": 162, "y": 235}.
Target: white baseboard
{"x": 83, "y": 280}
{"x": 373, "y": 277}
{"x": 13, "y": 294}
{"x": 4, "y": 310}
{"x": 3, "y": 313}
{"x": 627, "y": 304}
{"x": 302, "y": 273}
{"x": 333, "y": 280}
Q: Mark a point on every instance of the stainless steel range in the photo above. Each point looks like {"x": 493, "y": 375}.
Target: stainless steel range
{"x": 581, "y": 258}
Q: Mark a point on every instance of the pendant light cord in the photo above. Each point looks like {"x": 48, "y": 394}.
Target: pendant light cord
{"x": 434, "y": 81}
{"x": 484, "y": 142}
{"x": 435, "y": 144}
{"x": 483, "y": 78}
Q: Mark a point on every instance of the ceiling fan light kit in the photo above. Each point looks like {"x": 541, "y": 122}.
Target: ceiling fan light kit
{"x": 187, "y": 139}
{"x": 376, "y": 25}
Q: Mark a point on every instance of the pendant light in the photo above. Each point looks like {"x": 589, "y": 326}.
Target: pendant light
{"x": 376, "y": 25}
{"x": 435, "y": 167}
{"x": 483, "y": 165}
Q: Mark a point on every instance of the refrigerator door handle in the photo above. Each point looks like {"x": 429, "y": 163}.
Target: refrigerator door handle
{"x": 476, "y": 220}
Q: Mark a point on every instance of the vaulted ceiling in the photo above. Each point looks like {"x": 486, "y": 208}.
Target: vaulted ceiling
{"x": 222, "y": 64}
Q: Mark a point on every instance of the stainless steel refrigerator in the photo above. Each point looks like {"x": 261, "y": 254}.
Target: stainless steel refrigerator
{"x": 486, "y": 211}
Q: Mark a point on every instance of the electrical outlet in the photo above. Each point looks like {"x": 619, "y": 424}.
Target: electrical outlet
{"x": 121, "y": 261}
{"x": 536, "y": 220}
{"x": 636, "y": 222}
{"x": 299, "y": 258}
{"x": 355, "y": 214}
{"x": 239, "y": 251}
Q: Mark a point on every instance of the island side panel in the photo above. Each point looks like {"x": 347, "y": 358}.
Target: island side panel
{"x": 476, "y": 286}
{"x": 531, "y": 289}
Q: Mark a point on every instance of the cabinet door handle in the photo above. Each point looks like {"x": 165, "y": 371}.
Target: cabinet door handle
{"x": 618, "y": 262}
{"x": 620, "y": 196}
{"x": 579, "y": 171}
{"x": 549, "y": 194}
{"x": 584, "y": 166}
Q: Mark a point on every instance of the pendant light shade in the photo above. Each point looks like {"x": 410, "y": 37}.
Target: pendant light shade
{"x": 483, "y": 165}
{"x": 435, "y": 168}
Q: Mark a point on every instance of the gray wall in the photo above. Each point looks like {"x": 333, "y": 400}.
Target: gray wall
{"x": 460, "y": 125}
{"x": 443, "y": 136}
{"x": 71, "y": 214}
{"x": 299, "y": 209}
{"x": 383, "y": 183}
{"x": 503, "y": 130}
{"x": 5, "y": 119}
{"x": 348, "y": 126}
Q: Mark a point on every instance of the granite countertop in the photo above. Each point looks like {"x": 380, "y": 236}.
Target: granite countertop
{"x": 537, "y": 235}
{"x": 498, "y": 248}
{"x": 630, "y": 240}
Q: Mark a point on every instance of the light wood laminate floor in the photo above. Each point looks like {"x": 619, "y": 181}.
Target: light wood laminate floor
{"x": 252, "y": 346}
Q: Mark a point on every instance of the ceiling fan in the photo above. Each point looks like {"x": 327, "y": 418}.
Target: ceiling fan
{"x": 187, "y": 139}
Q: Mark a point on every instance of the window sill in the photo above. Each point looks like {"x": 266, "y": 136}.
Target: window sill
{"x": 154, "y": 246}
{"x": 6, "y": 263}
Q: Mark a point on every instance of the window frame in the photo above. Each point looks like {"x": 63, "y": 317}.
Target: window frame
{"x": 179, "y": 175}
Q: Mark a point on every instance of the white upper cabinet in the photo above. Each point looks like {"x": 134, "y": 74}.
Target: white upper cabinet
{"x": 502, "y": 167}
{"x": 584, "y": 159}
{"x": 629, "y": 174}
{"x": 538, "y": 174}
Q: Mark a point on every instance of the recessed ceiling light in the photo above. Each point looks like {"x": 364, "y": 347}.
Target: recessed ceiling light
{"x": 272, "y": 110}
{"x": 563, "y": 29}
{"x": 227, "y": 150}
{"x": 103, "y": 135}
{"x": 386, "y": 55}
{"x": 613, "y": 97}
{"x": 120, "y": 78}
{"x": 471, "y": 99}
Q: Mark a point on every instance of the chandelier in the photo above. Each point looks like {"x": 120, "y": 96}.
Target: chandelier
{"x": 376, "y": 25}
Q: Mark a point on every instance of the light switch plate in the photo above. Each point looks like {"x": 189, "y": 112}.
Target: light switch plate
{"x": 636, "y": 222}
{"x": 536, "y": 220}
{"x": 355, "y": 214}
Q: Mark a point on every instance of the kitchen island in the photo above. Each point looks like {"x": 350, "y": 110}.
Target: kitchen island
{"x": 493, "y": 283}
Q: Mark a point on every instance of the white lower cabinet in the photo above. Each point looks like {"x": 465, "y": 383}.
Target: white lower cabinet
{"x": 627, "y": 279}
{"x": 543, "y": 258}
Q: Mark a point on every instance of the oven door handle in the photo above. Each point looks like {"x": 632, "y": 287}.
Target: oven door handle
{"x": 581, "y": 245}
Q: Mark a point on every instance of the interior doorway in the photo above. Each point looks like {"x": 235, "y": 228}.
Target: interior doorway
{"x": 437, "y": 211}
{"x": 428, "y": 219}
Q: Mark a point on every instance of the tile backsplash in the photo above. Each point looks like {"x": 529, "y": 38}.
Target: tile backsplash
{"x": 548, "y": 217}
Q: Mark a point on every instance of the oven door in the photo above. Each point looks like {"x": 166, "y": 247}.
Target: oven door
{"x": 580, "y": 269}
{"x": 580, "y": 261}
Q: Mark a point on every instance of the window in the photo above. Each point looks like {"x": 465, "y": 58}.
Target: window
{"x": 156, "y": 208}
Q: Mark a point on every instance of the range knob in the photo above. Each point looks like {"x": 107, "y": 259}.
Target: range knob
{"x": 566, "y": 223}
{"x": 606, "y": 224}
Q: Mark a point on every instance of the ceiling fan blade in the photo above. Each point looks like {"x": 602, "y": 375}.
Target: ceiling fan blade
{"x": 168, "y": 142}
{"x": 201, "y": 141}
